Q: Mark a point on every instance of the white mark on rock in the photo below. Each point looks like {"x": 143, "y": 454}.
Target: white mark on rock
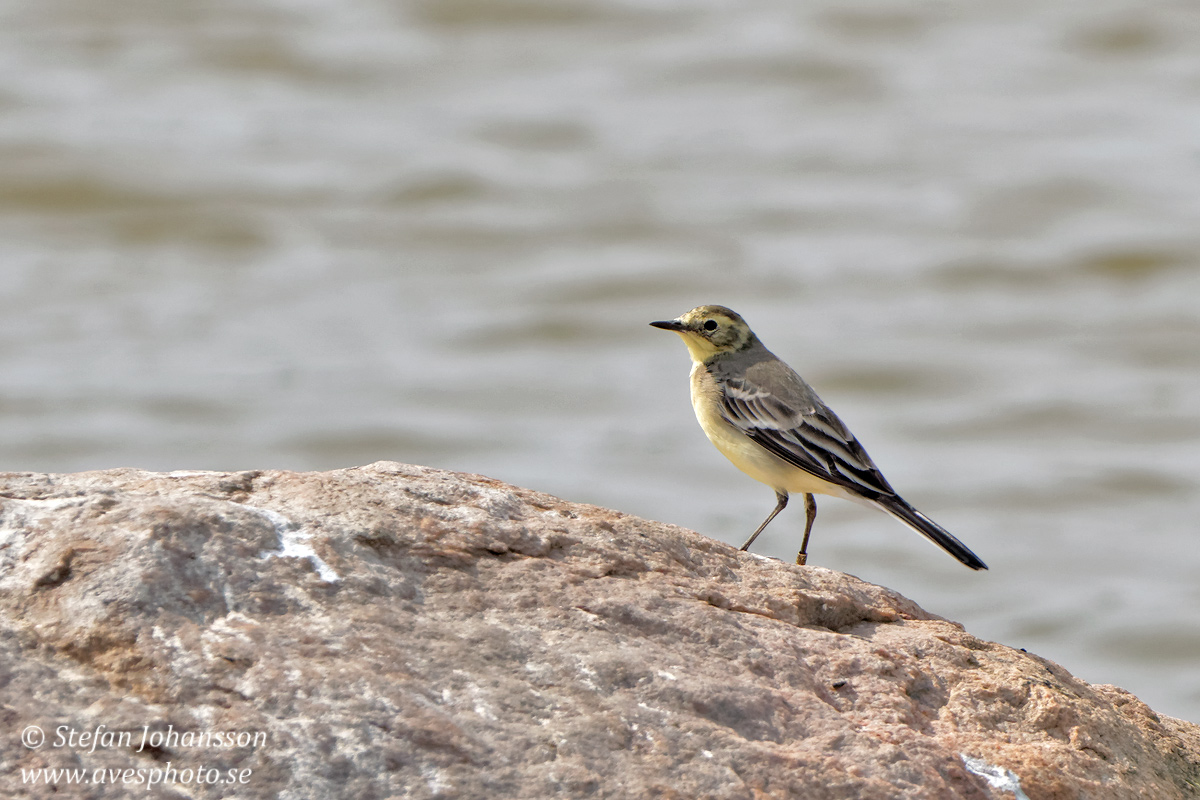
{"x": 706, "y": 753}
{"x": 589, "y": 676}
{"x": 434, "y": 780}
{"x": 479, "y": 701}
{"x": 997, "y": 777}
{"x": 171, "y": 641}
{"x": 46, "y": 503}
{"x": 662, "y": 673}
{"x": 233, "y": 622}
{"x": 293, "y": 542}
{"x": 18, "y": 514}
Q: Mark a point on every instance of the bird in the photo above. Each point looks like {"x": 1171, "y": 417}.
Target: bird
{"x": 770, "y": 423}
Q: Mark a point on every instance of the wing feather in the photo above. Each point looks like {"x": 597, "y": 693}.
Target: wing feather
{"x": 807, "y": 435}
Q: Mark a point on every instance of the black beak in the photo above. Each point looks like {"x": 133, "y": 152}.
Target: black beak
{"x": 669, "y": 325}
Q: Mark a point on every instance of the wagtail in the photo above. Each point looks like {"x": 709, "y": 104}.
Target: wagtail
{"x": 764, "y": 418}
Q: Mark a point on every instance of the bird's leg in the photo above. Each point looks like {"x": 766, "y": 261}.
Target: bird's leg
{"x": 783, "y": 498}
{"x": 810, "y": 514}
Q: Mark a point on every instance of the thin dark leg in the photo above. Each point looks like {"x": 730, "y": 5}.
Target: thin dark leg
{"x": 810, "y": 514}
{"x": 783, "y": 498}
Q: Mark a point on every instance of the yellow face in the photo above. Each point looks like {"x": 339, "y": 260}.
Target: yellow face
{"x": 708, "y": 331}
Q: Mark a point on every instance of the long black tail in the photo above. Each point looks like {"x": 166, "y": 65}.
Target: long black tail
{"x": 914, "y": 519}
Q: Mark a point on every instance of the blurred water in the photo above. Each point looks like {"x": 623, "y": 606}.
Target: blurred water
{"x": 315, "y": 234}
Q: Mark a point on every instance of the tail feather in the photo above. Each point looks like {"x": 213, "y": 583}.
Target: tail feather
{"x": 914, "y": 519}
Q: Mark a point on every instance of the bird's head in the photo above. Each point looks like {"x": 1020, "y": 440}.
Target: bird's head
{"x": 710, "y": 331}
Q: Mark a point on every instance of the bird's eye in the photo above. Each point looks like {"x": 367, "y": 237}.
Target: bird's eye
{"x": 710, "y": 325}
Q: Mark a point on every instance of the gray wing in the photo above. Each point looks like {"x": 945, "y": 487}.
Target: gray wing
{"x": 787, "y": 418}
{"x": 775, "y": 407}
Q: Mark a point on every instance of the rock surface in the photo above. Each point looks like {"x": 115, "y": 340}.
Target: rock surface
{"x": 402, "y": 632}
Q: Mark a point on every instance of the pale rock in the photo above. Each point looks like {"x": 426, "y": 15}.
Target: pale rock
{"x": 402, "y": 632}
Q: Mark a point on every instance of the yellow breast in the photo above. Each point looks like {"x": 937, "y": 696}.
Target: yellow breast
{"x": 744, "y": 452}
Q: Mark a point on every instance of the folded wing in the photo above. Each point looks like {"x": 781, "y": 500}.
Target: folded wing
{"x": 802, "y": 431}
{"x": 805, "y": 434}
